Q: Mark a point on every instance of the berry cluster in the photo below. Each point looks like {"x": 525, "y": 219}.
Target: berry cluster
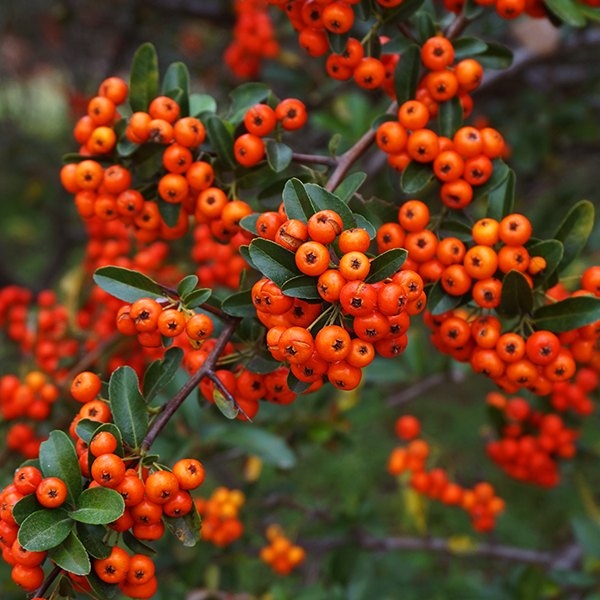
{"x": 253, "y": 39}
{"x": 531, "y": 443}
{"x": 32, "y": 398}
{"x": 280, "y": 554}
{"x": 260, "y": 120}
{"x": 481, "y": 502}
{"x": 220, "y": 522}
{"x": 574, "y": 394}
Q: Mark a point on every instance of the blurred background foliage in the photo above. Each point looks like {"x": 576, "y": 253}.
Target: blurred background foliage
{"x": 54, "y": 54}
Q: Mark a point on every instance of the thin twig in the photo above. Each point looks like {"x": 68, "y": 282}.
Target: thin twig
{"x": 456, "y": 27}
{"x": 287, "y": 502}
{"x": 328, "y": 161}
{"x": 47, "y": 582}
{"x": 168, "y": 409}
{"x": 423, "y": 386}
{"x": 213, "y": 377}
{"x": 406, "y": 32}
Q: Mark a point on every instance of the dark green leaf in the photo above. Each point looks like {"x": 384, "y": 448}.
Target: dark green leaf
{"x": 468, "y": 46}
{"x": 128, "y": 406}
{"x": 349, "y": 186}
{"x": 472, "y": 10}
{"x": 279, "y": 155}
{"x": 45, "y": 529}
{"x": 239, "y": 304}
{"x": 227, "y": 407}
{"x": 381, "y": 119}
{"x": 401, "y": 13}
{"x": 439, "y": 301}
{"x": 125, "y": 284}
{"x": 495, "y": 57}
{"x": 296, "y": 201}
{"x": 397, "y": 45}
{"x": 71, "y": 555}
{"x": 574, "y": 232}
{"x": 245, "y": 253}
{"x": 185, "y": 529}
{"x": 499, "y": 174}
{"x": 567, "y": 11}
{"x": 85, "y": 429}
{"x": 169, "y": 211}
{"x": 202, "y": 103}
{"x": 166, "y": 341}
{"x": 197, "y": 298}
{"x": 450, "y": 116}
{"x": 221, "y": 139}
{"x": 249, "y": 223}
{"x": 295, "y": 385}
{"x": 262, "y": 363}
{"x": 101, "y": 589}
{"x": 137, "y": 546}
{"x": 178, "y": 76}
{"x": 273, "y": 261}
{"x": 386, "y": 264}
{"x": 92, "y": 536}
{"x": 516, "y": 297}
{"x": 25, "y": 507}
{"x": 501, "y": 199}
{"x": 98, "y": 506}
{"x": 416, "y": 177}
{"x": 552, "y": 252}
{"x": 530, "y": 584}
{"x": 337, "y": 41}
{"x": 572, "y": 579}
{"x": 244, "y": 97}
{"x": 362, "y": 223}
{"x": 589, "y": 11}
{"x": 143, "y": 79}
{"x": 457, "y": 229}
{"x": 388, "y": 213}
{"x": 324, "y": 200}
{"x": 177, "y": 95}
{"x": 496, "y": 418}
{"x": 302, "y": 286}
{"x": 161, "y": 372}
{"x": 59, "y": 459}
{"x": 65, "y": 588}
{"x": 362, "y": 10}
{"x": 406, "y": 76}
{"x": 187, "y": 285}
{"x": 425, "y": 26}
{"x": 567, "y": 314}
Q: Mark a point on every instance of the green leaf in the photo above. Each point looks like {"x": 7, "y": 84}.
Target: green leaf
{"x": 386, "y": 264}
{"x": 324, "y": 200}
{"x": 425, "y": 26}
{"x": 387, "y": 212}
{"x": 114, "y": 431}
{"x": 85, "y": 428}
{"x": 45, "y": 529}
{"x": 362, "y": 10}
{"x": 574, "y": 231}
{"x": 439, "y": 301}
{"x": 296, "y": 201}
{"x": 249, "y": 223}
{"x": 337, "y": 41}
{"x": 71, "y": 555}
{"x": 397, "y": 45}
{"x": 143, "y": 79}
{"x": 161, "y": 372}
{"x": 450, "y": 116}
{"x": 244, "y": 97}
{"x": 302, "y": 286}
{"x": 530, "y": 584}
{"x": 186, "y": 529}
{"x": 589, "y": 11}
{"x": 362, "y": 223}
{"x": 567, "y": 11}
{"x": 457, "y": 229}
{"x": 262, "y": 363}
{"x": 239, "y": 304}
{"x": 516, "y": 297}
{"x": 177, "y": 95}
{"x": 197, "y": 298}
{"x": 552, "y": 252}
{"x": 221, "y": 139}
{"x": 169, "y": 211}
{"x": 91, "y": 536}
{"x": 499, "y": 174}
{"x": 98, "y": 506}
{"x": 273, "y": 261}
{"x": 501, "y": 199}
{"x": 467, "y": 47}
{"x": 65, "y": 588}
{"x": 406, "y": 76}
{"x": 495, "y": 57}
{"x": 125, "y": 284}
{"x": 349, "y": 186}
{"x": 416, "y": 177}
{"x": 128, "y": 406}
{"x": 472, "y": 10}
{"x": 178, "y": 76}
{"x": 403, "y": 12}
{"x": 245, "y": 252}
{"x": 59, "y": 459}
{"x": 202, "y": 103}
{"x": 187, "y": 285}
{"x": 279, "y": 155}
{"x": 568, "y": 314}
{"x": 295, "y": 385}
{"x": 100, "y": 588}
{"x": 137, "y": 546}
{"x": 227, "y": 407}
{"x": 25, "y": 507}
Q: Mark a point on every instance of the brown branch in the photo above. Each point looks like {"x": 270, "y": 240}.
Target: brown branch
{"x": 168, "y": 409}
{"x": 456, "y": 27}
{"x": 346, "y": 160}
{"x": 328, "y": 161}
{"x": 47, "y": 582}
{"x": 287, "y": 502}
{"x": 424, "y": 385}
{"x": 406, "y": 32}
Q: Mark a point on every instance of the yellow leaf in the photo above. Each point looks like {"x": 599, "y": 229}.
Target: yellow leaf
{"x": 461, "y": 544}
{"x": 253, "y": 468}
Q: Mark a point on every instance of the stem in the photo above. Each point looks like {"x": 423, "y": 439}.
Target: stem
{"x": 168, "y": 409}
{"x": 213, "y": 377}
{"x": 314, "y": 159}
{"x": 456, "y": 27}
{"x": 47, "y": 582}
{"x": 406, "y": 32}
{"x": 346, "y": 160}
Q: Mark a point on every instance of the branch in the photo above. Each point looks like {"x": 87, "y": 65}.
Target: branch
{"x": 328, "y": 161}
{"x": 204, "y": 594}
{"x": 346, "y": 160}
{"x": 168, "y": 409}
{"x": 287, "y": 502}
{"x": 207, "y": 307}
{"x": 47, "y": 582}
{"x": 426, "y": 384}
{"x": 406, "y": 32}
{"x": 456, "y": 27}
{"x": 213, "y": 377}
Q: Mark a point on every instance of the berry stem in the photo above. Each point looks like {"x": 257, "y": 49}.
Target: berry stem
{"x": 314, "y": 159}
{"x": 456, "y": 27}
{"x": 47, "y": 582}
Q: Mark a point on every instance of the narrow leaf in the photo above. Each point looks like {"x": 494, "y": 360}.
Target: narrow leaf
{"x": 239, "y": 304}
{"x": 416, "y": 177}
{"x": 467, "y": 47}
{"x": 71, "y": 556}
{"x": 161, "y": 372}
{"x": 439, "y": 301}
{"x": 196, "y": 298}
{"x": 273, "y": 261}
{"x": 296, "y": 201}
{"x": 91, "y": 536}
{"x": 295, "y": 385}
{"x": 501, "y": 199}
{"x": 568, "y": 314}
{"x": 324, "y": 200}
{"x": 406, "y": 76}
{"x": 143, "y": 79}
{"x": 186, "y": 529}
{"x": 516, "y": 296}
{"x": 59, "y": 459}
{"x": 302, "y": 286}
{"x": 178, "y": 76}
{"x": 137, "y": 546}
{"x": 187, "y": 285}
{"x": 221, "y": 139}
{"x": 386, "y": 264}
{"x": 126, "y": 285}
{"x": 567, "y": 11}
{"x": 128, "y": 406}
{"x": 279, "y": 155}
{"x": 227, "y": 407}
{"x": 450, "y": 117}
{"x": 349, "y": 186}
{"x": 574, "y": 231}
